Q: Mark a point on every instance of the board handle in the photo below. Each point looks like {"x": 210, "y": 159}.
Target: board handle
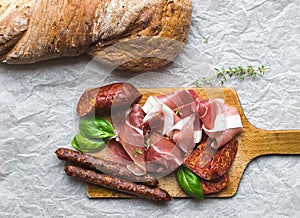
{"x": 275, "y": 142}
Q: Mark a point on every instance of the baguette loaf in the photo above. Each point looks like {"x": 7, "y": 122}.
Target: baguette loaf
{"x": 137, "y": 35}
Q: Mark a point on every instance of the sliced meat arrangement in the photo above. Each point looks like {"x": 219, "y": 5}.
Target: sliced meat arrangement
{"x": 161, "y": 134}
{"x": 177, "y": 113}
{"x": 172, "y": 108}
{"x": 158, "y": 136}
{"x": 154, "y": 139}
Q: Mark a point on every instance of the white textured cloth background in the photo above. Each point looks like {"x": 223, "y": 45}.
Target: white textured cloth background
{"x": 37, "y": 117}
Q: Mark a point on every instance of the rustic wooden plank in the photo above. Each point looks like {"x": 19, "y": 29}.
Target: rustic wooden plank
{"x": 253, "y": 142}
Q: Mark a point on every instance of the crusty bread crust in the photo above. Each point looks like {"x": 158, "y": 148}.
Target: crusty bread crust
{"x": 137, "y": 35}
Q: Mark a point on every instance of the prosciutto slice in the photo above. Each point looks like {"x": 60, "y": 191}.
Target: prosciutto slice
{"x": 184, "y": 133}
{"x": 168, "y": 113}
{"x": 162, "y": 156}
{"x": 116, "y": 153}
{"x": 160, "y": 118}
{"x": 131, "y": 136}
{"x": 136, "y": 117}
{"x": 172, "y": 100}
{"x": 221, "y": 122}
{"x": 133, "y": 143}
{"x": 176, "y": 99}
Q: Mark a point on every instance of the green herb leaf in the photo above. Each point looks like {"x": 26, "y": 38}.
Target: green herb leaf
{"x": 96, "y": 128}
{"x": 147, "y": 143}
{"x": 137, "y": 152}
{"x": 75, "y": 144}
{"x": 238, "y": 72}
{"x": 178, "y": 112}
{"x": 94, "y": 134}
{"x": 83, "y": 144}
{"x": 206, "y": 39}
{"x": 189, "y": 182}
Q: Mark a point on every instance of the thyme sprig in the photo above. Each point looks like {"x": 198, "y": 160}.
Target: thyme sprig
{"x": 206, "y": 39}
{"x": 237, "y": 72}
{"x": 137, "y": 152}
{"x": 178, "y": 112}
{"x": 147, "y": 143}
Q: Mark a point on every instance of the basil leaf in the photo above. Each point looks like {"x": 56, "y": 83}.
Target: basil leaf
{"x": 105, "y": 126}
{"x": 189, "y": 182}
{"x": 83, "y": 144}
{"x": 96, "y": 128}
{"x": 75, "y": 144}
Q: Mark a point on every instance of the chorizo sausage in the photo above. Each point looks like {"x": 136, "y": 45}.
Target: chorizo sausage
{"x": 103, "y": 98}
{"x": 214, "y": 186}
{"x": 104, "y": 166}
{"x": 208, "y": 163}
{"x": 110, "y": 182}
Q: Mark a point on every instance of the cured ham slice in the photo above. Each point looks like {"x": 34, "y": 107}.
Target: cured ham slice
{"x": 131, "y": 137}
{"x": 185, "y": 134}
{"x": 222, "y": 137}
{"x": 162, "y": 155}
{"x": 117, "y": 149}
{"x": 136, "y": 117}
{"x": 221, "y": 122}
{"x": 165, "y": 111}
{"x": 115, "y": 152}
{"x": 172, "y": 100}
{"x": 195, "y": 97}
{"x": 160, "y": 118}
{"x": 133, "y": 144}
{"x": 176, "y": 99}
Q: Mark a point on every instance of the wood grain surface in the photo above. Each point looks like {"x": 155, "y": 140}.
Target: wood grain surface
{"x": 253, "y": 142}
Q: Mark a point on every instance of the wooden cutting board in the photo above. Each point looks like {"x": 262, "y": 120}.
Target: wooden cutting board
{"x": 253, "y": 142}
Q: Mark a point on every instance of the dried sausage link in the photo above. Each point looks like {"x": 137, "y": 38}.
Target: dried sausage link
{"x": 110, "y": 182}
{"x": 104, "y": 166}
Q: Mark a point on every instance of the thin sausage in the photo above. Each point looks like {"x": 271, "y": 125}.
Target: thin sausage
{"x": 104, "y": 166}
{"x": 110, "y": 182}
